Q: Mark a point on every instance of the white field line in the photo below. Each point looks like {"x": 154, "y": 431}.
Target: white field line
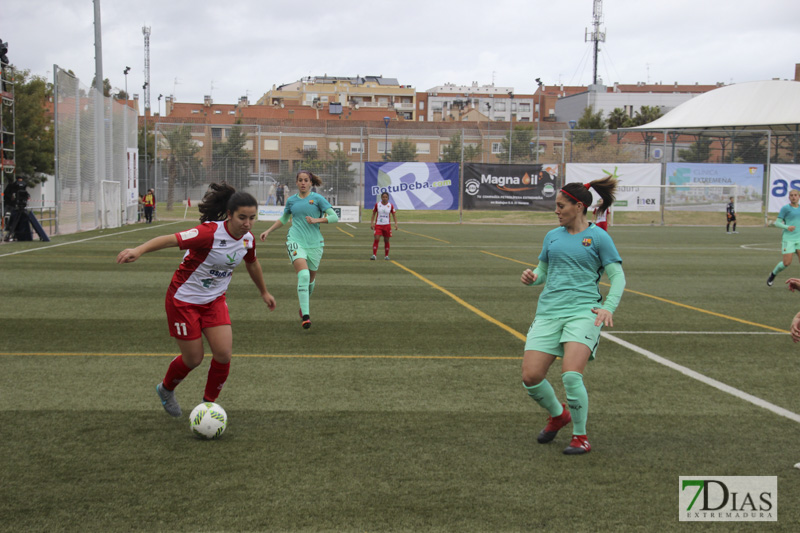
{"x": 699, "y": 332}
{"x": 704, "y": 379}
{"x": 352, "y": 226}
{"x": 84, "y": 240}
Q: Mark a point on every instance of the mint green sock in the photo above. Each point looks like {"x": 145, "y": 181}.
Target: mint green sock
{"x": 577, "y": 400}
{"x": 302, "y": 290}
{"x": 778, "y": 268}
{"x": 311, "y": 288}
{"x": 544, "y": 395}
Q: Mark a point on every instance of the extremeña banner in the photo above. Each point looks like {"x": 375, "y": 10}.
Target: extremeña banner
{"x": 635, "y": 191}
{"x": 510, "y": 187}
{"x": 749, "y": 181}
{"x": 783, "y": 178}
{"x": 413, "y": 186}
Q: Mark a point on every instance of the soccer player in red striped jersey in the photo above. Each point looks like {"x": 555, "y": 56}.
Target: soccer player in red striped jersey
{"x": 195, "y": 301}
{"x": 381, "y": 224}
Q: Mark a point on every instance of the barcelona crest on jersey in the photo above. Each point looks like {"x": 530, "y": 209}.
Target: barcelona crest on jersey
{"x": 587, "y": 241}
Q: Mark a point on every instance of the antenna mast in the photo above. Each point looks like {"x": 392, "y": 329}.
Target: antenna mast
{"x": 596, "y": 35}
{"x": 146, "y": 33}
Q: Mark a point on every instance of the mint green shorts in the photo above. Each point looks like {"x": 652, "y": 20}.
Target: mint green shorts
{"x": 548, "y": 335}
{"x": 789, "y": 246}
{"x": 313, "y": 256}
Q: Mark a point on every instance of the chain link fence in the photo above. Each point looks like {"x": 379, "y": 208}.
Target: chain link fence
{"x": 81, "y": 165}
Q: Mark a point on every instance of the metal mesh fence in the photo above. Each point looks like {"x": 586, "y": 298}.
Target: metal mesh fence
{"x": 256, "y": 156}
{"x": 78, "y": 176}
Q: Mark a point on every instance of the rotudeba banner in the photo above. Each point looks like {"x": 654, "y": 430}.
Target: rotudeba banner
{"x": 510, "y": 187}
{"x": 412, "y": 185}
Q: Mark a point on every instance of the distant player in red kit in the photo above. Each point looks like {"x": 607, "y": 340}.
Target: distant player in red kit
{"x": 195, "y": 302}
{"x": 381, "y": 224}
{"x": 601, "y": 216}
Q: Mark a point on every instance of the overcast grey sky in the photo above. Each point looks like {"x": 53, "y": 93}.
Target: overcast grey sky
{"x": 232, "y": 49}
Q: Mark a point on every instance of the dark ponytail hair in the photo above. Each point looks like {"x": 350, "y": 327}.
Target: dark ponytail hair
{"x": 313, "y": 177}
{"x": 577, "y": 192}
{"x": 220, "y": 199}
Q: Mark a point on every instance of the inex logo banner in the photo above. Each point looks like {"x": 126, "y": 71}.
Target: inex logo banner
{"x": 728, "y": 498}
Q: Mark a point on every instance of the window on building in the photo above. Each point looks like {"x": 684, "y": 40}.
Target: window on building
{"x": 382, "y": 147}
{"x": 309, "y": 146}
{"x": 335, "y": 146}
{"x": 216, "y": 134}
{"x": 423, "y": 148}
{"x": 499, "y": 106}
{"x": 271, "y": 144}
{"x": 436, "y": 106}
{"x": 524, "y": 108}
{"x": 217, "y": 112}
{"x": 422, "y": 106}
{"x": 356, "y": 148}
{"x": 421, "y": 118}
{"x": 195, "y": 111}
{"x": 497, "y": 148}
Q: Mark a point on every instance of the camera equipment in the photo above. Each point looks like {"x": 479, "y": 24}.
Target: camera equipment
{"x": 3, "y": 52}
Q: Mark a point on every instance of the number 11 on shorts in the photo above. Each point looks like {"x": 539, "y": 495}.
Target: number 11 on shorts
{"x": 180, "y": 328}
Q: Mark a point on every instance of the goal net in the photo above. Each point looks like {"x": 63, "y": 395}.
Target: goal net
{"x": 111, "y": 208}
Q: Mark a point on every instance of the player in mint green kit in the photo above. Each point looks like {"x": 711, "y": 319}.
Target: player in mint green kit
{"x": 304, "y": 242}
{"x": 789, "y": 221}
{"x": 570, "y": 312}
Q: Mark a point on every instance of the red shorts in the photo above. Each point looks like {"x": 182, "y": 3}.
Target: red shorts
{"x": 603, "y": 225}
{"x": 384, "y": 230}
{"x": 187, "y": 321}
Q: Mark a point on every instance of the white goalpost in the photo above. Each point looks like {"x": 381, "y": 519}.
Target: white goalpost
{"x": 110, "y": 204}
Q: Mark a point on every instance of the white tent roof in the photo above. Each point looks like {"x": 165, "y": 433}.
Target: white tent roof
{"x": 759, "y": 105}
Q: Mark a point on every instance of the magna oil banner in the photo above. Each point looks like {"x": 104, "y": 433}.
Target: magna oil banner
{"x": 510, "y": 187}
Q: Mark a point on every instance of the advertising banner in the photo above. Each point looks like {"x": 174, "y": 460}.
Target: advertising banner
{"x": 637, "y": 184}
{"x": 413, "y": 186}
{"x": 783, "y": 178}
{"x": 748, "y": 179}
{"x": 132, "y": 178}
{"x": 510, "y": 187}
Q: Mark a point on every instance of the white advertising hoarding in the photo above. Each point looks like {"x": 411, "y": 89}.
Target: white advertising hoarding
{"x": 637, "y": 184}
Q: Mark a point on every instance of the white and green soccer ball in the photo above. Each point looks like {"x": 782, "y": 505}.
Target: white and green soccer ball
{"x": 208, "y": 420}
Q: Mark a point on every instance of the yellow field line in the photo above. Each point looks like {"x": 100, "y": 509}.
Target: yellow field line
{"x": 343, "y": 231}
{"x": 426, "y": 236}
{"x": 698, "y": 309}
{"x": 266, "y": 356}
{"x": 508, "y": 258}
{"x": 465, "y": 304}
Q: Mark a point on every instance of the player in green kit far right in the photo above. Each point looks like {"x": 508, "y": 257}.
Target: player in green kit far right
{"x": 304, "y": 242}
{"x": 571, "y": 312}
{"x": 789, "y": 221}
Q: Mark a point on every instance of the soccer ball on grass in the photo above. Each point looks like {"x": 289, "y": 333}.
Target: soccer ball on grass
{"x": 208, "y": 420}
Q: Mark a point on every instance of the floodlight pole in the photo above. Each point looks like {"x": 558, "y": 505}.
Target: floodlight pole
{"x": 386, "y": 121}
{"x": 510, "y": 122}
{"x": 538, "y": 116}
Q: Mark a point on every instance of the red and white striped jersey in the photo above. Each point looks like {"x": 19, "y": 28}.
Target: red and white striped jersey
{"x": 383, "y": 213}
{"x": 207, "y": 266}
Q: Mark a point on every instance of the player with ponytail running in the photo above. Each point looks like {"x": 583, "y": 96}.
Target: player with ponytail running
{"x": 195, "y": 301}
{"x": 304, "y": 243}
{"x": 570, "y": 312}
{"x": 789, "y": 221}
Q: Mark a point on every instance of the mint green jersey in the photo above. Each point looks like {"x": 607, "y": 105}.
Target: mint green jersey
{"x": 791, "y": 217}
{"x": 305, "y": 234}
{"x": 575, "y": 264}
